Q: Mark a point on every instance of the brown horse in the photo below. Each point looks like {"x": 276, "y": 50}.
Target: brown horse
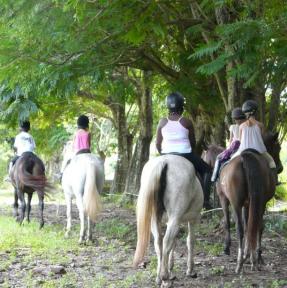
{"x": 27, "y": 176}
{"x": 247, "y": 183}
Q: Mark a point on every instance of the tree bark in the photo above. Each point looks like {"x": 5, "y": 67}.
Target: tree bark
{"x": 124, "y": 148}
{"x": 274, "y": 108}
{"x": 142, "y": 148}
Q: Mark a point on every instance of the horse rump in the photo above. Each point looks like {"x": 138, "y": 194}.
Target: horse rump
{"x": 30, "y": 172}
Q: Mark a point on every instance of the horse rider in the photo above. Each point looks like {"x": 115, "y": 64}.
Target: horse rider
{"x": 82, "y": 138}
{"x": 81, "y": 141}
{"x": 251, "y": 134}
{"x": 175, "y": 135}
{"x": 238, "y": 117}
{"x": 24, "y": 142}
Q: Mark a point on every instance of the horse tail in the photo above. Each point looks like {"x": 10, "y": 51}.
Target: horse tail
{"x": 91, "y": 198}
{"x": 148, "y": 205}
{"x": 251, "y": 167}
{"x": 26, "y": 177}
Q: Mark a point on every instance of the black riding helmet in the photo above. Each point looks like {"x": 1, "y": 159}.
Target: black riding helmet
{"x": 175, "y": 102}
{"x": 249, "y": 107}
{"x": 237, "y": 114}
{"x": 83, "y": 122}
{"x": 25, "y": 125}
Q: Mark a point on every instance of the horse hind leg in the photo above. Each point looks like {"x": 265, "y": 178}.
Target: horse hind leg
{"x": 168, "y": 243}
{"x": 190, "y": 241}
{"x": 68, "y": 199}
{"x": 239, "y": 226}
{"x": 171, "y": 261}
{"x": 157, "y": 235}
{"x": 225, "y": 207}
{"x": 29, "y": 206}
{"x": 90, "y": 226}
{"x": 41, "y": 207}
{"x": 21, "y": 197}
{"x": 80, "y": 205}
{"x": 259, "y": 249}
{"x": 15, "y": 205}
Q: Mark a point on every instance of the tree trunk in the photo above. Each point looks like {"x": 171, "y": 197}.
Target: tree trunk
{"x": 141, "y": 152}
{"x": 274, "y": 108}
{"x": 124, "y": 148}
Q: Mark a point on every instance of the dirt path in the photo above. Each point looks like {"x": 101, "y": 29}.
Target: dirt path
{"x": 108, "y": 262}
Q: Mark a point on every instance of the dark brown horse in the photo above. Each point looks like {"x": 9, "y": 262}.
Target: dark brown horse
{"x": 247, "y": 183}
{"x": 27, "y": 176}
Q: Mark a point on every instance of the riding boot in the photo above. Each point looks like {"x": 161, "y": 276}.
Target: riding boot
{"x": 215, "y": 171}
{"x": 206, "y": 191}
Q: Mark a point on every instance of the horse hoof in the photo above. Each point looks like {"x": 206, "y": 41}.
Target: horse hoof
{"x": 172, "y": 276}
{"x": 158, "y": 281}
{"x": 227, "y": 251}
{"x": 254, "y": 268}
{"x": 191, "y": 274}
{"x": 89, "y": 241}
{"x": 81, "y": 241}
{"x": 67, "y": 234}
{"x": 238, "y": 269}
{"x": 166, "y": 284}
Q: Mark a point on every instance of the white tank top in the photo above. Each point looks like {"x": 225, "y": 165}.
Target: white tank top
{"x": 251, "y": 138}
{"x": 175, "y": 138}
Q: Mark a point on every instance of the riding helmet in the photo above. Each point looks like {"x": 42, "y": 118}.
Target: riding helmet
{"x": 83, "y": 122}
{"x": 175, "y": 101}
{"x": 237, "y": 114}
{"x": 25, "y": 125}
{"x": 249, "y": 106}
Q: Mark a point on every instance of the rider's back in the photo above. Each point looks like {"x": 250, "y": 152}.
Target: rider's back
{"x": 251, "y": 137}
{"x": 175, "y": 137}
{"x": 24, "y": 142}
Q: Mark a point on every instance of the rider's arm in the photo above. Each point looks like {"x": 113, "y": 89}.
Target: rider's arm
{"x": 159, "y": 134}
{"x": 240, "y": 132}
{"x": 188, "y": 125}
{"x": 89, "y": 139}
{"x": 15, "y": 145}
{"x": 230, "y": 134}
{"x": 262, "y": 128}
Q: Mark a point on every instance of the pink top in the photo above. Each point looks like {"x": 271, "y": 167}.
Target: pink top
{"x": 82, "y": 140}
{"x": 175, "y": 138}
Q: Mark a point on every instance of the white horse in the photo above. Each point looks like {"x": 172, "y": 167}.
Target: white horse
{"x": 83, "y": 177}
{"x": 168, "y": 185}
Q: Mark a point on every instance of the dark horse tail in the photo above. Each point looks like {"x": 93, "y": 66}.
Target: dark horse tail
{"x": 31, "y": 172}
{"x": 253, "y": 173}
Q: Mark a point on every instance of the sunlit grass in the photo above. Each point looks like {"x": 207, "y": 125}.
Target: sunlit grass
{"x": 14, "y": 236}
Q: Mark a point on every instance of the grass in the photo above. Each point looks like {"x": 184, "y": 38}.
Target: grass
{"x": 113, "y": 228}
{"x": 47, "y": 240}
{"x": 28, "y": 245}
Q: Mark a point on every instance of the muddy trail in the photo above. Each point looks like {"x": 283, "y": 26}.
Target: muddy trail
{"x": 107, "y": 262}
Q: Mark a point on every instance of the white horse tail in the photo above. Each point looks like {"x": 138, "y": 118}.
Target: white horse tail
{"x": 91, "y": 198}
{"x": 147, "y": 205}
